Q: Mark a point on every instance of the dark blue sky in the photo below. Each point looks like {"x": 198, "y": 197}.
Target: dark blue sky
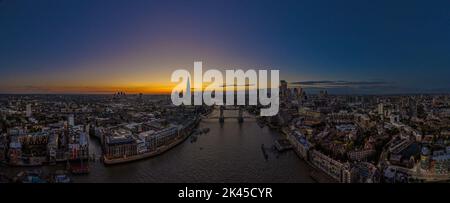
{"x": 369, "y": 46}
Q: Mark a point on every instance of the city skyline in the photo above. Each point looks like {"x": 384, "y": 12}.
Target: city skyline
{"x": 354, "y": 48}
{"x": 224, "y": 99}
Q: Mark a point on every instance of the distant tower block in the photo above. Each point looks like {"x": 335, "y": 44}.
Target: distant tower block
{"x": 71, "y": 120}
{"x": 188, "y": 91}
{"x": 28, "y": 110}
{"x": 380, "y": 109}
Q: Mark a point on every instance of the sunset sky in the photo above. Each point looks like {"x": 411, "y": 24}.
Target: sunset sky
{"x": 100, "y": 46}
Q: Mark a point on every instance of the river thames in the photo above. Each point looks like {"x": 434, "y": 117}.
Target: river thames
{"x": 229, "y": 152}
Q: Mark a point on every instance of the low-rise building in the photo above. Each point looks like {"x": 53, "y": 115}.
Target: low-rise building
{"x": 300, "y": 144}
{"x": 3, "y": 147}
{"x": 440, "y": 162}
{"x": 120, "y": 143}
{"x": 333, "y": 168}
{"x": 360, "y": 155}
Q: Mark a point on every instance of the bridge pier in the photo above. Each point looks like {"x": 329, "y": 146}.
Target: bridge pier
{"x": 240, "y": 118}
{"x": 221, "y": 117}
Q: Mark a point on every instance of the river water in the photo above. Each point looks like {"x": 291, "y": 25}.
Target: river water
{"x": 229, "y": 152}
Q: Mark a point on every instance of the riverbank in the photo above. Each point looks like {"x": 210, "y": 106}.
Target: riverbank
{"x": 156, "y": 152}
{"x": 315, "y": 173}
{"x": 181, "y": 134}
{"x": 230, "y": 152}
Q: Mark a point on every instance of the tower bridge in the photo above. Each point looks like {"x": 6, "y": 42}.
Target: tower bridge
{"x": 232, "y": 108}
{"x": 240, "y": 117}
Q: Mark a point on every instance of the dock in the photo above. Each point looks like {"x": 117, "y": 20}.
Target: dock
{"x": 282, "y": 145}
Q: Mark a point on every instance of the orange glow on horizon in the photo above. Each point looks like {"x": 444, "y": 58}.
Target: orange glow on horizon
{"x": 136, "y": 88}
{"x": 92, "y": 89}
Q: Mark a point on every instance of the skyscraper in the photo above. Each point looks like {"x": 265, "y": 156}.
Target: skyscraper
{"x": 283, "y": 89}
{"x": 28, "y": 110}
{"x": 71, "y": 120}
{"x": 380, "y": 108}
{"x": 188, "y": 90}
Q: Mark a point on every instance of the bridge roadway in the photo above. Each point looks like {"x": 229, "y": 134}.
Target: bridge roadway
{"x": 240, "y": 116}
